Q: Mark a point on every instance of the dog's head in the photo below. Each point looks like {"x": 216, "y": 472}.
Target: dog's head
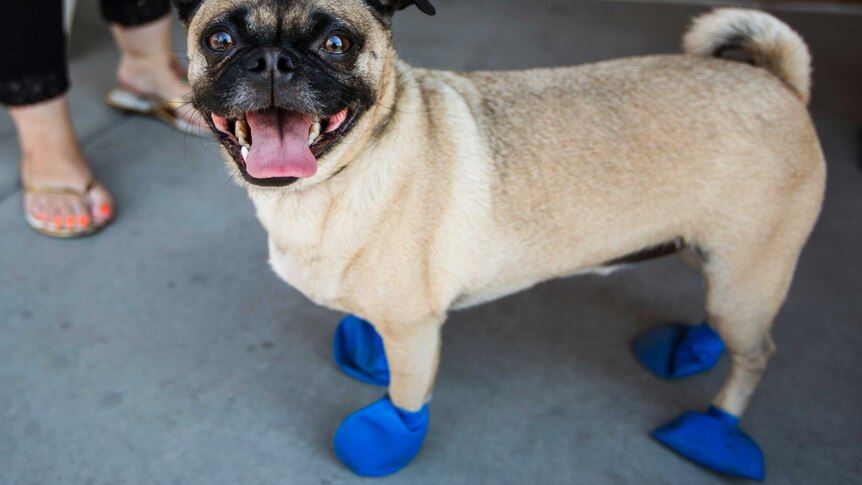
{"x": 284, "y": 83}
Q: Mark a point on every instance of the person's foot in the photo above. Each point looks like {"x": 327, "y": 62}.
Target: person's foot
{"x": 148, "y": 68}
{"x": 162, "y": 84}
{"x": 54, "y": 173}
{"x": 58, "y": 195}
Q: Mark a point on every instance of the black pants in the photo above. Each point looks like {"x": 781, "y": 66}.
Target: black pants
{"x": 34, "y": 68}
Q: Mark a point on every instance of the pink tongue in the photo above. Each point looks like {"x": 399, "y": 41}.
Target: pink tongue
{"x": 279, "y": 145}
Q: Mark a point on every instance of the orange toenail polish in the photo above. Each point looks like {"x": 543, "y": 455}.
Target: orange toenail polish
{"x": 58, "y": 221}
{"x": 105, "y": 209}
{"x": 70, "y": 221}
{"x": 41, "y": 217}
{"x": 84, "y": 220}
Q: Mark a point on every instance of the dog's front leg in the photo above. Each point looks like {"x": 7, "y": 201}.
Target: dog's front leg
{"x": 385, "y": 436}
{"x": 413, "y": 353}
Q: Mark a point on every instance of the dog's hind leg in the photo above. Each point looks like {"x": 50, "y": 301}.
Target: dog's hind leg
{"x": 385, "y": 436}
{"x": 747, "y": 279}
{"x": 742, "y": 316}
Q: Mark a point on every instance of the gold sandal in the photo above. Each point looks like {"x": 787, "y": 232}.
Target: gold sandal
{"x": 44, "y": 227}
{"x": 127, "y": 100}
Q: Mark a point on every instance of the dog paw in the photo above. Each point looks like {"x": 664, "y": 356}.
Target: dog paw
{"x": 677, "y": 350}
{"x": 359, "y": 351}
{"x": 380, "y": 439}
{"x": 713, "y": 439}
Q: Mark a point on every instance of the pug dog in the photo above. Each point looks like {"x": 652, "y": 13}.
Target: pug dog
{"x": 398, "y": 194}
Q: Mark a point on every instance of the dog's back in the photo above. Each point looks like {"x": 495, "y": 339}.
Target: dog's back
{"x": 655, "y": 147}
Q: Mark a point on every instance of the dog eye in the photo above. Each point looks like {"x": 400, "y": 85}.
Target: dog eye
{"x": 337, "y": 44}
{"x": 220, "y": 41}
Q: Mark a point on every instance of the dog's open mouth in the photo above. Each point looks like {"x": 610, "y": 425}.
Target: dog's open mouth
{"x": 277, "y": 146}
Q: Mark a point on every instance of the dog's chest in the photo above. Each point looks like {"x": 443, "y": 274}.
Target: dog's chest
{"x": 307, "y": 249}
{"x": 316, "y": 275}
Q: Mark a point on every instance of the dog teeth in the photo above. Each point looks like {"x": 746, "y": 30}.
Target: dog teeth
{"x": 242, "y": 133}
{"x": 314, "y": 133}
{"x": 244, "y": 151}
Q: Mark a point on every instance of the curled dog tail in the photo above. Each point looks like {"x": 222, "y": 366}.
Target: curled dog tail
{"x": 769, "y": 42}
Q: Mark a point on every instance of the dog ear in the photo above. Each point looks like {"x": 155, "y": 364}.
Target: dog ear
{"x": 390, "y": 6}
{"x": 186, "y": 9}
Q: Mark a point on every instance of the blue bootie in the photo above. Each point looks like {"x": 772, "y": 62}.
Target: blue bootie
{"x": 380, "y": 439}
{"x": 678, "y": 350}
{"x": 359, "y": 351}
{"x": 713, "y": 439}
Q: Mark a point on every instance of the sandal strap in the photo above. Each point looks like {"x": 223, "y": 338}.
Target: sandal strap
{"x": 165, "y": 110}
{"x": 172, "y": 105}
{"x": 166, "y": 104}
{"x": 47, "y": 189}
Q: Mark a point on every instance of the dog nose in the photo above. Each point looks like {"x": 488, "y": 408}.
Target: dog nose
{"x": 272, "y": 62}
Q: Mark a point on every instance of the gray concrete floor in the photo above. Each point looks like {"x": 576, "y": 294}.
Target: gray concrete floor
{"x": 164, "y": 351}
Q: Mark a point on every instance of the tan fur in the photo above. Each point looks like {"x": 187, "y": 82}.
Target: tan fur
{"x": 482, "y": 184}
{"x": 772, "y": 44}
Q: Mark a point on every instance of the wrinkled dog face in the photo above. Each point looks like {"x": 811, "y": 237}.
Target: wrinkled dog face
{"x": 283, "y": 82}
